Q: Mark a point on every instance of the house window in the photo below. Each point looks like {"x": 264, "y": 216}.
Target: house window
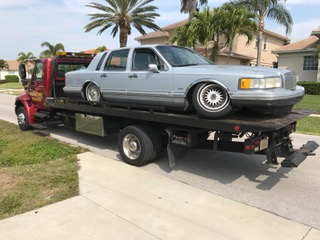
{"x": 265, "y": 43}
{"x": 310, "y": 63}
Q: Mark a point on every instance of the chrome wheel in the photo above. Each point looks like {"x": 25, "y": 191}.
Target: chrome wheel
{"x": 131, "y": 146}
{"x": 213, "y": 98}
{"x": 93, "y": 93}
{"x": 21, "y": 119}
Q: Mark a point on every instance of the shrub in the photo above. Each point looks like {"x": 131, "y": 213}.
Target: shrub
{"x": 311, "y": 88}
{"x": 12, "y": 78}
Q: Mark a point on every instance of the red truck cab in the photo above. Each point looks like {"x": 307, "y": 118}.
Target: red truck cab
{"x": 47, "y": 81}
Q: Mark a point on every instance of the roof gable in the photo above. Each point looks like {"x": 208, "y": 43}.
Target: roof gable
{"x": 302, "y": 45}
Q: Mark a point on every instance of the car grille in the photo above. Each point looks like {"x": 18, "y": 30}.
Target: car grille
{"x": 290, "y": 80}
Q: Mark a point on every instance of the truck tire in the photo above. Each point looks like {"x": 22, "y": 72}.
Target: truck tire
{"x": 135, "y": 145}
{"x": 211, "y": 100}
{"x": 156, "y": 141}
{"x": 92, "y": 93}
{"x": 22, "y": 118}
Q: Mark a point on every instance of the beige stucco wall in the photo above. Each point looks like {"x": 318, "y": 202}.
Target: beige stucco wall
{"x": 267, "y": 57}
{"x": 294, "y": 61}
{"x": 162, "y": 40}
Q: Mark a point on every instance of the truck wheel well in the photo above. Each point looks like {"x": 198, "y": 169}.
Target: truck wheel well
{"x": 18, "y": 104}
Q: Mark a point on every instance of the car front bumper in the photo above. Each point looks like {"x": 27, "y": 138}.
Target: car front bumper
{"x": 267, "y": 98}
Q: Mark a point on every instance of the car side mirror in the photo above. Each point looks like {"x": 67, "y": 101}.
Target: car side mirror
{"x": 153, "y": 68}
{"x": 23, "y": 73}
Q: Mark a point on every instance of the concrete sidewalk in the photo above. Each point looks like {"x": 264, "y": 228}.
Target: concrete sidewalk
{"x": 118, "y": 201}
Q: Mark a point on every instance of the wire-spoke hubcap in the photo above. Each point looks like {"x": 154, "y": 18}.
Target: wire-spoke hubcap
{"x": 131, "y": 146}
{"x": 213, "y": 97}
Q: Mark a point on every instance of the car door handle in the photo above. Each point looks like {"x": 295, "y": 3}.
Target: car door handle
{"x": 103, "y": 75}
{"x": 133, "y": 76}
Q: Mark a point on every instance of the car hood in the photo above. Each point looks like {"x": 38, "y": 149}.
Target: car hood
{"x": 230, "y": 70}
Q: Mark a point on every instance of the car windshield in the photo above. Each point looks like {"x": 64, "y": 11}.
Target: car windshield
{"x": 181, "y": 56}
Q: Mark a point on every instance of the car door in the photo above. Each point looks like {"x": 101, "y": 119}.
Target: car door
{"x": 112, "y": 76}
{"x": 145, "y": 86}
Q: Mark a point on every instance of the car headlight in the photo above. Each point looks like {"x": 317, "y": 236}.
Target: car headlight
{"x": 260, "y": 83}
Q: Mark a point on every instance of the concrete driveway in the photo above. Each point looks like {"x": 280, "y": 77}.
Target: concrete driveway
{"x": 118, "y": 201}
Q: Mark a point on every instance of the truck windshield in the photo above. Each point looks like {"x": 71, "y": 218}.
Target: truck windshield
{"x": 181, "y": 56}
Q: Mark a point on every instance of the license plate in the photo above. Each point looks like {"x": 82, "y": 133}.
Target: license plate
{"x": 264, "y": 143}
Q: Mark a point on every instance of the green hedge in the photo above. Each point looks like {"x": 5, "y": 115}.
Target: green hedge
{"x": 311, "y": 88}
{"x": 11, "y": 78}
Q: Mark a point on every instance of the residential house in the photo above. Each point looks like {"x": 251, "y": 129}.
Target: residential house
{"x": 241, "y": 54}
{"x": 13, "y": 69}
{"x": 299, "y": 56}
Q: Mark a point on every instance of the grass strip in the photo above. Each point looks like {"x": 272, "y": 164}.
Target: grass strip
{"x": 35, "y": 170}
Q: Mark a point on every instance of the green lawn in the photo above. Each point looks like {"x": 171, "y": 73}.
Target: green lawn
{"x": 309, "y": 102}
{"x": 11, "y": 86}
{"x": 35, "y": 170}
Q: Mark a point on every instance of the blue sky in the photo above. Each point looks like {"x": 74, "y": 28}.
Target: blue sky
{"x": 25, "y": 24}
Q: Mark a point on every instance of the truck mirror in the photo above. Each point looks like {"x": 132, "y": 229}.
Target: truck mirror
{"x": 23, "y": 73}
{"x": 153, "y": 68}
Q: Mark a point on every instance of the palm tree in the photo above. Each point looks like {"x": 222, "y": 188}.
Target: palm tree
{"x": 185, "y": 35}
{"x": 191, "y": 6}
{"x": 205, "y": 27}
{"x": 51, "y": 49}
{"x": 27, "y": 58}
{"x": 317, "y": 51}
{"x": 238, "y": 21}
{"x": 272, "y": 9}
{"x": 100, "y": 49}
{"x": 122, "y": 14}
{"x": 3, "y": 65}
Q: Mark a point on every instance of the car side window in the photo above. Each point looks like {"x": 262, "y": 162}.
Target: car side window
{"x": 117, "y": 60}
{"x": 143, "y": 57}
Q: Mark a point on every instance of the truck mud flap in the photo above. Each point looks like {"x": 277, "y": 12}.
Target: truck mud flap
{"x": 295, "y": 159}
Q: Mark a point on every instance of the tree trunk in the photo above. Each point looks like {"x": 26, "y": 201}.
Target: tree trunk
{"x": 123, "y": 36}
{"x": 260, "y": 40}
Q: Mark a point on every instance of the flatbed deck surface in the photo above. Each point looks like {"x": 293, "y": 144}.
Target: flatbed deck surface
{"x": 236, "y": 122}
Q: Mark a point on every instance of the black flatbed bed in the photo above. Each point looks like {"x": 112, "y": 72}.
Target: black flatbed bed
{"x": 235, "y": 122}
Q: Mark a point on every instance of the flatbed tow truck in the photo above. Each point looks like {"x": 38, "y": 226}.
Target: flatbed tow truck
{"x": 143, "y": 131}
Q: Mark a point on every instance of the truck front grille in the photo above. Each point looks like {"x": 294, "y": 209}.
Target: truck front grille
{"x": 290, "y": 80}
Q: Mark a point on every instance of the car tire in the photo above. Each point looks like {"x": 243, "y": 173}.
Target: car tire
{"x": 92, "y": 93}
{"x": 22, "y": 118}
{"x": 211, "y": 100}
{"x": 135, "y": 145}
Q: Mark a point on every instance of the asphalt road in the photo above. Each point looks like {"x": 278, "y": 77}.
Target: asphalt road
{"x": 290, "y": 193}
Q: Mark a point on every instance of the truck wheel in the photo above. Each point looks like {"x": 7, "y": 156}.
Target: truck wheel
{"x": 135, "y": 145}
{"x": 156, "y": 141}
{"x": 211, "y": 100}
{"x": 22, "y": 118}
{"x": 92, "y": 93}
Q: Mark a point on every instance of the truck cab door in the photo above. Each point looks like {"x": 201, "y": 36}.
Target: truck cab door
{"x": 36, "y": 87}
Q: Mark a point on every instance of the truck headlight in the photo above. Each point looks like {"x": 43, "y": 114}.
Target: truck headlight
{"x": 260, "y": 83}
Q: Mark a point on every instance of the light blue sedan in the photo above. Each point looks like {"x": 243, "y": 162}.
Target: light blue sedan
{"x": 175, "y": 77}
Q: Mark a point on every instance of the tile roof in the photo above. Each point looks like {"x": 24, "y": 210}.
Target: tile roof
{"x": 162, "y": 32}
{"x": 13, "y": 64}
{"x": 151, "y": 35}
{"x": 175, "y": 25}
{"x": 304, "y": 44}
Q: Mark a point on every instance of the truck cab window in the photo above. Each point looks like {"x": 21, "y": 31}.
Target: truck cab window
{"x": 38, "y": 71}
{"x": 117, "y": 60}
{"x": 143, "y": 57}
